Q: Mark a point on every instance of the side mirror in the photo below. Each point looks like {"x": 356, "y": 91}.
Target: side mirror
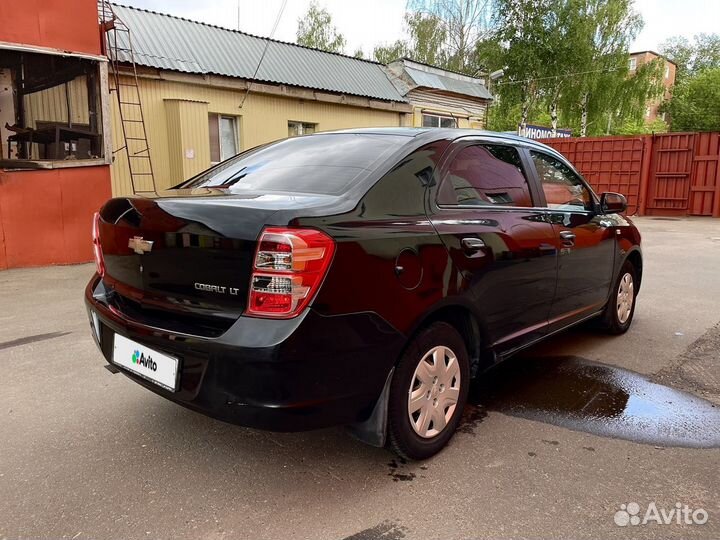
{"x": 612, "y": 203}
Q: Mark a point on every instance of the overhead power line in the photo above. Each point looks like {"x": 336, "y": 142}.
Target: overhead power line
{"x": 262, "y": 56}
{"x": 563, "y": 76}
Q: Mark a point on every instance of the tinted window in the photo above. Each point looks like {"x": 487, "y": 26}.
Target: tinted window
{"x": 401, "y": 192}
{"x": 325, "y": 164}
{"x": 562, "y": 187}
{"x": 485, "y": 175}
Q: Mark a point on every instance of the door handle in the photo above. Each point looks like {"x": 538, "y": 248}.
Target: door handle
{"x": 568, "y": 238}
{"x": 472, "y": 244}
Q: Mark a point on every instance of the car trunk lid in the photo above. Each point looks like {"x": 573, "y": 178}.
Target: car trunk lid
{"x": 187, "y": 260}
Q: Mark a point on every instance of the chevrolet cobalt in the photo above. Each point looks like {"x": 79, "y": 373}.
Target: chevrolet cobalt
{"x": 357, "y": 278}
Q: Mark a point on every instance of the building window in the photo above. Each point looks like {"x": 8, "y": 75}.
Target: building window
{"x": 50, "y": 108}
{"x": 223, "y": 137}
{"x": 648, "y": 112}
{"x": 633, "y": 64}
{"x": 667, "y": 71}
{"x": 301, "y": 128}
{"x": 434, "y": 120}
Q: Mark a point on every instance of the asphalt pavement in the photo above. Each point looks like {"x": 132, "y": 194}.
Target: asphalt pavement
{"x": 554, "y": 445}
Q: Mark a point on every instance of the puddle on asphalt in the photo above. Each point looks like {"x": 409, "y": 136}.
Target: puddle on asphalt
{"x": 600, "y": 399}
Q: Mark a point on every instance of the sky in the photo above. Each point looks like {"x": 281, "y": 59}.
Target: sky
{"x": 367, "y": 23}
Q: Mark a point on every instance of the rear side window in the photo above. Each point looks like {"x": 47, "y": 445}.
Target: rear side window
{"x": 485, "y": 175}
{"x": 324, "y": 164}
{"x": 562, "y": 187}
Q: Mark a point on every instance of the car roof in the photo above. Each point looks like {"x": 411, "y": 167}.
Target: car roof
{"x": 433, "y": 134}
{"x": 397, "y": 131}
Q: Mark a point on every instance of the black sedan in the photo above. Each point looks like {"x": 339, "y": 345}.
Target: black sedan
{"x": 356, "y": 278}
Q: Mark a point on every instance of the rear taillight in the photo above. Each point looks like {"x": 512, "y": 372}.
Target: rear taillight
{"x": 97, "y": 248}
{"x": 288, "y": 269}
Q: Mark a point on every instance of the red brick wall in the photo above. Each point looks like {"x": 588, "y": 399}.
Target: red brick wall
{"x": 70, "y": 25}
{"x": 46, "y": 215}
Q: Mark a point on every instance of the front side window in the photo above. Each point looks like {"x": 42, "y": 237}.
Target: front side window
{"x": 485, "y": 175}
{"x": 562, "y": 187}
{"x": 223, "y": 137}
{"x": 434, "y": 120}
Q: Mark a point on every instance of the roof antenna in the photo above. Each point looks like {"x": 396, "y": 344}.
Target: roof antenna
{"x": 262, "y": 57}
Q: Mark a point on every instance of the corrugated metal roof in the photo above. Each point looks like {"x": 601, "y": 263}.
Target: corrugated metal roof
{"x": 167, "y": 42}
{"x": 448, "y": 84}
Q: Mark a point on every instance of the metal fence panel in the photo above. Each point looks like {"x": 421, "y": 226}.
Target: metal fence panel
{"x": 664, "y": 174}
{"x": 607, "y": 163}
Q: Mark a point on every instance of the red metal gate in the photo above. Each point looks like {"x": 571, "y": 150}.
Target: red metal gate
{"x": 670, "y": 169}
{"x": 665, "y": 174}
{"x": 608, "y": 163}
{"x": 704, "y": 197}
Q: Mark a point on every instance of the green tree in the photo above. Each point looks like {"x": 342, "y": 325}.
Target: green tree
{"x": 604, "y": 93}
{"x": 568, "y": 59}
{"x": 679, "y": 50}
{"x": 518, "y": 46}
{"x": 316, "y": 30}
{"x": 425, "y": 43}
{"x": 692, "y": 58}
{"x": 387, "y": 53}
{"x": 443, "y": 33}
{"x": 695, "y": 105}
{"x": 635, "y": 127}
{"x": 462, "y": 25}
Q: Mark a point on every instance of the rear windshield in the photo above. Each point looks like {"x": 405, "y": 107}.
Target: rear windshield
{"x": 325, "y": 164}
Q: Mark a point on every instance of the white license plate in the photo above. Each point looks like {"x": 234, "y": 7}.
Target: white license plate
{"x": 146, "y": 362}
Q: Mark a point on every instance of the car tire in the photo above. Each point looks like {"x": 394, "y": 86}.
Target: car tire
{"x": 618, "y": 314}
{"x": 428, "y": 392}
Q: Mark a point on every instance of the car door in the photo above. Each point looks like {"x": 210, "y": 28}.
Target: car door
{"x": 586, "y": 240}
{"x": 502, "y": 247}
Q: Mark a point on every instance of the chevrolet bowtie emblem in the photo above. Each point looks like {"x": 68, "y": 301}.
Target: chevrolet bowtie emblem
{"x": 140, "y": 246}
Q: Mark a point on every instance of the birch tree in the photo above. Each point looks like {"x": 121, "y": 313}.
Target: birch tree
{"x": 464, "y": 23}
{"x": 316, "y": 30}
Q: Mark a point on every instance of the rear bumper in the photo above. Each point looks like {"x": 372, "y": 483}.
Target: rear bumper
{"x": 280, "y": 375}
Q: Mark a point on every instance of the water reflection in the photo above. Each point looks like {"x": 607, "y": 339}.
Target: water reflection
{"x": 600, "y": 399}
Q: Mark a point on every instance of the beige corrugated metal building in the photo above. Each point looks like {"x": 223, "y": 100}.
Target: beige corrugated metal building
{"x": 193, "y": 81}
{"x": 179, "y": 110}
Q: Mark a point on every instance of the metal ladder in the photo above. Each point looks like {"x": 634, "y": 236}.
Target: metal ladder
{"x": 117, "y": 45}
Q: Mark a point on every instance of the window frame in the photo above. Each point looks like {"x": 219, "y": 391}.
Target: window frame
{"x": 536, "y": 191}
{"x": 236, "y": 123}
{"x": 302, "y": 125}
{"x": 103, "y": 109}
{"x": 457, "y": 147}
{"x": 440, "y": 118}
{"x": 593, "y": 196}
{"x": 632, "y": 64}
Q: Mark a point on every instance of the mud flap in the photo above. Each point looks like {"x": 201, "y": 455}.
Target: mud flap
{"x": 373, "y": 431}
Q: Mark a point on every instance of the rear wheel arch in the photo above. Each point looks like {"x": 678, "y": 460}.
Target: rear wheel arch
{"x": 373, "y": 431}
{"x": 466, "y": 323}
